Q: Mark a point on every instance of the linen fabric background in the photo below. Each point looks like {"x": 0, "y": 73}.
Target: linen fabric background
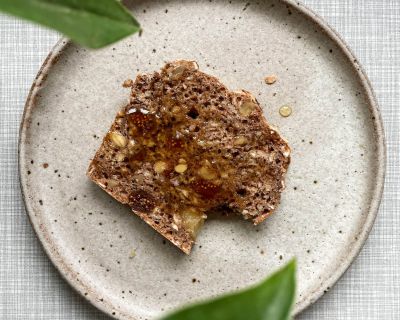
{"x": 31, "y": 288}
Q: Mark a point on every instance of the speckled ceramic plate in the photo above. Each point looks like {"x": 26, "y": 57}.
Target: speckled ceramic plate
{"x": 333, "y": 186}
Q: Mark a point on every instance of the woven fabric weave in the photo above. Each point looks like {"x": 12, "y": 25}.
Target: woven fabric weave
{"x": 31, "y": 288}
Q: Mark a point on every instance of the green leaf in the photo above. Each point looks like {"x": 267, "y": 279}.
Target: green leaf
{"x": 92, "y": 23}
{"x": 270, "y": 300}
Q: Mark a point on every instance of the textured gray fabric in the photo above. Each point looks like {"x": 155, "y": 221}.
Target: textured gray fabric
{"x": 31, "y": 288}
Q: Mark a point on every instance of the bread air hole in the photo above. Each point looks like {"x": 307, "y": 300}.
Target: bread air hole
{"x": 193, "y": 113}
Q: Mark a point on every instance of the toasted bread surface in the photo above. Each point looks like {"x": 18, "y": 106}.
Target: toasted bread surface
{"x": 185, "y": 146}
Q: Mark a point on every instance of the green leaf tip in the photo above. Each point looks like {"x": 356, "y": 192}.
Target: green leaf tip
{"x": 91, "y": 23}
{"x": 272, "y": 299}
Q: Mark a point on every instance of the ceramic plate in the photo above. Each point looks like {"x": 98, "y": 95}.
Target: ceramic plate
{"x": 334, "y": 183}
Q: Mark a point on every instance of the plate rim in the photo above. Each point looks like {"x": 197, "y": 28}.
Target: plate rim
{"x": 356, "y": 246}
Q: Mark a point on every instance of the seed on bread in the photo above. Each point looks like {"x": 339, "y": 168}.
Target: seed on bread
{"x": 118, "y": 139}
{"x": 181, "y": 167}
{"x": 207, "y": 173}
{"x": 246, "y": 108}
{"x": 192, "y": 220}
{"x": 160, "y": 166}
{"x": 120, "y": 156}
{"x": 240, "y": 141}
{"x": 112, "y": 183}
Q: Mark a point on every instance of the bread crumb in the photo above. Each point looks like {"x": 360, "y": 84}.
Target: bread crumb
{"x": 127, "y": 83}
{"x": 270, "y": 79}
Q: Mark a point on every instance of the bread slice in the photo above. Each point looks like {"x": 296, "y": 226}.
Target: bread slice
{"x": 185, "y": 146}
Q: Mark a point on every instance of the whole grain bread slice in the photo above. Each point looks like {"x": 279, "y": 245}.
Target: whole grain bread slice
{"x": 185, "y": 146}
